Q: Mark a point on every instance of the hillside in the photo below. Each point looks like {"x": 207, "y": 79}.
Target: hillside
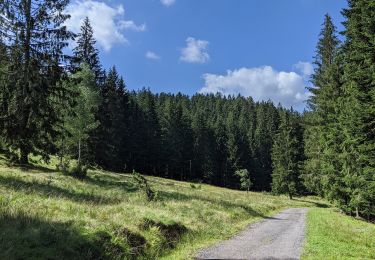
{"x": 45, "y": 214}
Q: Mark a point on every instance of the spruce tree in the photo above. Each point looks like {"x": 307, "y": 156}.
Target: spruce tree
{"x": 287, "y": 153}
{"x": 321, "y": 167}
{"x": 151, "y": 132}
{"x": 36, "y": 38}
{"x": 80, "y": 120}
{"x": 357, "y": 107}
{"x": 267, "y": 121}
{"x": 86, "y": 52}
{"x": 203, "y": 146}
{"x": 177, "y": 140}
{"x": 112, "y": 117}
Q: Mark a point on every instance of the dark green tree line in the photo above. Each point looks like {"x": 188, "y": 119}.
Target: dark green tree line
{"x": 340, "y": 143}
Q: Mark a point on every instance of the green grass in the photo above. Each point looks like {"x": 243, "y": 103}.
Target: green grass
{"x": 46, "y": 215}
{"x": 331, "y": 235}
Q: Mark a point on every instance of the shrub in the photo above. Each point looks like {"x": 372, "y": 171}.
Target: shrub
{"x": 143, "y": 184}
{"x": 63, "y": 166}
{"x": 171, "y": 231}
{"x": 195, "y": 186}
{"x": 245, "y": 180}
{"x": 75, "y": 170}
{"x": 78, "y": 171}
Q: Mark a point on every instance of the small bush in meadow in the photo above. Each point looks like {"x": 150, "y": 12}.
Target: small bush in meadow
{"x": 143, "y": 184}
{"x": 78, "y": 171}
{"x": 75, "y": 170}
{"x": 195, "y": 186}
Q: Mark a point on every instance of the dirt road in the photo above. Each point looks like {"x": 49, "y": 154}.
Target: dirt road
{"x": 278, "y": 237}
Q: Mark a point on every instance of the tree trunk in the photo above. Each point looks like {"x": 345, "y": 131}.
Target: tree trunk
{"x": 62, "y": 150}
{"x": 356, "y": 212}
{"x": 290, "y": 196}
{"x": 25, "y": 110}
{"x": 79, "y": 152}
{"x": 24, "y": 158}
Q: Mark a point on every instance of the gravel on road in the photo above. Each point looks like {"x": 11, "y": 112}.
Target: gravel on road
{"x": 278, "y": 237}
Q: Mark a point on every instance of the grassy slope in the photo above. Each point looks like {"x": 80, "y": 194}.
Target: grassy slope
{"x": 44, "y": 214}
{"x": 331, "y": 235}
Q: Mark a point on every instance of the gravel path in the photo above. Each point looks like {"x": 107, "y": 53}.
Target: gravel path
{"x": 278, "y": 237}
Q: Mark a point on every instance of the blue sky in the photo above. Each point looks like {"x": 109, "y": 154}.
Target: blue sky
{"x": 261, "y": 48}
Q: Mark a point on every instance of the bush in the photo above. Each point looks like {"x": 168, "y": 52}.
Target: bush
{"x": 63, "y": 166}
{"x": 143, "y": 184}
{"x": 75, "y": 170}
{"x": 245, "y": 180}
{"x": 171, "y": 231}
{"x": 195, "y": 186}
{"x": 79, "y": 171}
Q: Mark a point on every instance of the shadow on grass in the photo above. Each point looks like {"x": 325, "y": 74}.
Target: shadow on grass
{"x": 109, "y": 182}
{"x": 171, "y": 195}
{"x": 171, "y": 232}
{"x": 25, "y": 237}
{"x": 314, "y": 203}
{"x": 10, "y": 159}
{"x": 31, "y": 167}
{"x": 49, "y": 190}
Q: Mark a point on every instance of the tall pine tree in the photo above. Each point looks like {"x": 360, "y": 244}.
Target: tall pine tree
{"x": 321, "y": 134}
{"x": 287, "y": 156}
{"x": 357, "y": 107}
{"x": 36, "y": 38}
{"x": 86, "y": 52}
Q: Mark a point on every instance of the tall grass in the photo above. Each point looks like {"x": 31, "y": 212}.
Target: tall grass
{"x": 45, "y": 214}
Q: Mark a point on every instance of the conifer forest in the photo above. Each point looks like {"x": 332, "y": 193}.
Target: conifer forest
{"x": 65, "y": 105}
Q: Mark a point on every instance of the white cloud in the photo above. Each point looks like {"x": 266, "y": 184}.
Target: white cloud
{"x": 195, "y": 51}
{"x": 132, "y": 26}
{"x": 261, "y": 83}
{"x": 306, "y": 68}
{"x": 167, "y": 2}
{"x": 152, "y": 55}
{"x": 108, "y": 22}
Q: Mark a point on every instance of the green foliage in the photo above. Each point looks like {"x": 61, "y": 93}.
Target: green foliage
{"x": 30, "y": 114}
{"x": 86, "y": 52}
{"x": 245, "y": 180}
{"x": 287, "y": 156}
{"x": 320, "y": 122}
{"x": 110, "y": 139}
{"x": 357, "y": 111}
{"x": 171, "y": 231}
{"x": 143, "y": 184}
{"x": 80, "y": 120}
{"x": 78, "y": 171}
{"x": 195, "y": 186}
{"x": 72, "y": 168}
{"x": 92, "y": 117}
{"x": 340, "y": 143}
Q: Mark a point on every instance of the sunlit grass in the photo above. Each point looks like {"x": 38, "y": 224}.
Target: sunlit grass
{"x": 331, "y": 235}
{"x": 43, "y": 212}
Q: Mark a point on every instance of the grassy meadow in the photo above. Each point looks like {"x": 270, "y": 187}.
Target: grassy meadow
{"x": 47, "y": 215}
{"x": 44, "y": 214}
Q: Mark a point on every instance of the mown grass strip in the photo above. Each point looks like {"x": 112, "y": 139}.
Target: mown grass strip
{"x": 331, "y": 235}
